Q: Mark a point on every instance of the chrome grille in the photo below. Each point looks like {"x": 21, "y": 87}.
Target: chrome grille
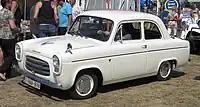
{"x": 37, "y": 65}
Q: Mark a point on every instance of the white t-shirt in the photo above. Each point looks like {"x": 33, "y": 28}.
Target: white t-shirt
{"x": 76, "y": 11}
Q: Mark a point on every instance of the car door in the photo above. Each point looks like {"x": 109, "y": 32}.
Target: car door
{"x": 129, "y": 54}
{"x": 155, "y": 45}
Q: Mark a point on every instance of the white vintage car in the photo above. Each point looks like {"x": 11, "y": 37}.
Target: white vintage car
{"x": 102, "y": 47}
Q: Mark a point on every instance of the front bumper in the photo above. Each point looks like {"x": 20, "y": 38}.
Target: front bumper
{"x": 42, "y": 81}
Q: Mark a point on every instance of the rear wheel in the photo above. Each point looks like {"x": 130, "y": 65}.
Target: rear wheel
{"x": 85, "y": 86}
{"x": 164, "y": 71}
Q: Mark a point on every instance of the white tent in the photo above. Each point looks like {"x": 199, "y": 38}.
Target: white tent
{"x": 114, "y": 4}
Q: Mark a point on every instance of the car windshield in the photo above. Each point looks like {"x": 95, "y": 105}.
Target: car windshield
{"x": 92, "y": 27}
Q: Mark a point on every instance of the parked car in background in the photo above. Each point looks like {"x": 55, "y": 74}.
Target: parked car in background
{"x": 192, "y": 32}
{"x": 193, "y": 36}
{"x": 102, "y": 47}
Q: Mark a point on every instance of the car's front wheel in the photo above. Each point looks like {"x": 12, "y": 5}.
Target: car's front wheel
{"x": 164, "y": 71}
{"x": 85, "y": 86}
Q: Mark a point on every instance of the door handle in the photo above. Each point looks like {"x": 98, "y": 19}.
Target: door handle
{"x": 144, "y": 46}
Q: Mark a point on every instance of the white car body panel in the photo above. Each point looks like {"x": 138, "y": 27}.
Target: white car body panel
{"x": 192, "y": 28}
{"x": 116, "y": 61}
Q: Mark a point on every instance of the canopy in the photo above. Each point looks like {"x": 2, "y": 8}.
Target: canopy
{"x": 114, "y": 4}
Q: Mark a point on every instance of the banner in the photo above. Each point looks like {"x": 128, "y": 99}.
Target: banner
{"x": 169, "y": 4}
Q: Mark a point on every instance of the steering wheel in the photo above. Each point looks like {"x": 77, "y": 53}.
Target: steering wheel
{"x": 104, "y": 34}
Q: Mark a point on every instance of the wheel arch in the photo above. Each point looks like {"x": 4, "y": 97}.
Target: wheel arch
{"x": 92, "y": 69}
{"x": 173, "y": 62}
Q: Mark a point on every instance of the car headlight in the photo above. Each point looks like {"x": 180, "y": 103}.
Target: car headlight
{"x": 56, "y": 64}
{"x": 18, "y": 52}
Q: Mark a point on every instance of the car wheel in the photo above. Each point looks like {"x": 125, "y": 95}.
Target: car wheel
{"x": 192, "y": 47}
{"x": 164, "y": 71}
{"x": 85, "y": 86}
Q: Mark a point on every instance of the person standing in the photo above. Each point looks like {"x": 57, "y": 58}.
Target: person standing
{"x": 186, "y": 18}
{"x": 172, "y": 21}
{"x": 17, "y": 12}
{"x": 33, "y": 26}
{"x": 196, "y": 12}
{"x": 65, "y": 16}
{"x": 186, "y": 14}
{"x": 7, "y": 39}
{"x": 45, "y": 15}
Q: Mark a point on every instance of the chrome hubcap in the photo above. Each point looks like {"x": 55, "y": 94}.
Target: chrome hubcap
{"x": 165, "y": 69}
{"x": 84, "y": 85}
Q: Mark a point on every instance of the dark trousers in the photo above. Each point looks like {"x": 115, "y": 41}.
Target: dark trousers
{"x": 46, "y": 30}
{"x": 8, "y": 48}
{"x": 62, "y": 30}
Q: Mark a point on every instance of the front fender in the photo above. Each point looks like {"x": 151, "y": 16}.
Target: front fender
{"x": 70, "y": 71}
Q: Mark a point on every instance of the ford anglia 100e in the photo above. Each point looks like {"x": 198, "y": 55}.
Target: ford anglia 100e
{"x": 101, "y": 47}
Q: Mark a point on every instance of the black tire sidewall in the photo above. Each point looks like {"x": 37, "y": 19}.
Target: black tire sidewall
{"x": 75, "y": 95}
{"x": 159, "y": 77}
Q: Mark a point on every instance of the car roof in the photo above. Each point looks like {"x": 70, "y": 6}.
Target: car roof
{"x": 120, "y": 15}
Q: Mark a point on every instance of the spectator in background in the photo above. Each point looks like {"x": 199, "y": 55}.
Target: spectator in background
{"x": 45, "y": 15}
{"x": 185, "y": 2}
{"x": 65, "y": 16}
{"x": 15, "y": 9}
{"x": 7, "y": 39}
{"x": 55, "y": 3}
{"x": 33, "y": 26}
{"x": 196, "y": 12}
{"x": 59, "y": 6}
{"x": 173, "y": 21}
{"x": 186, "y": 18}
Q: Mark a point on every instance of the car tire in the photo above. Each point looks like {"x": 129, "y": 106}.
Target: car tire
{"x": 192, "y": 47}
{"x": 88, "y": 82}
{"x": 164, "y": 71}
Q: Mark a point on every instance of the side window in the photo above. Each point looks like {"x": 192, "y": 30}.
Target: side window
{"x": 130, "y": 31}
{"x": 151, "y": 31}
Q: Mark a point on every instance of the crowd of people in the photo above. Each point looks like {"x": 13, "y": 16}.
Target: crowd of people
{"x": 182, "y": 18}
{"x": 51, "y": 18}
